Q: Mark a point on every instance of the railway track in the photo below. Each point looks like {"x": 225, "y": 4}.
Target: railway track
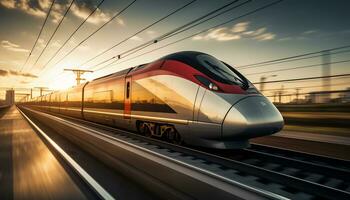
{"x": 323, "y": 171}
{"x": 302, "y": 156}
{"x": 270, "y": 174}
{"x": 98, "y": 191}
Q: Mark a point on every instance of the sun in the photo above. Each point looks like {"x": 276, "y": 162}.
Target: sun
{"x": 64, "y": 81}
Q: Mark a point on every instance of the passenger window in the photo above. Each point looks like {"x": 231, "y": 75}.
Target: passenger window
{"x": 127, "y": 90}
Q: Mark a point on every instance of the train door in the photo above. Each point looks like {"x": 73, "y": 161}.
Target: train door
{"x": 127, "y": 98}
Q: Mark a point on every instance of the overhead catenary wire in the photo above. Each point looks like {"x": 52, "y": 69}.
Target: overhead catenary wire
{"x": 290, "y": 57}
{"x": 54, "y": 33}
{"x": 184, "y": 26}
{"x": 143, "y": 29}
{"x": 316, "y": 92}
{"x": 303, "y": 87}
{"x": 37, "y": 39}
{"x": 175, "y": 31}
{"x": 203, "y": 31}
{"x": 296, "y": 59}
{"x": 301, "y": 79}
{"x": 71, "y": 35}
{"x": 196, "y": 20}
{"x": 300, "y": 67}
{"x": 97, "y": 30}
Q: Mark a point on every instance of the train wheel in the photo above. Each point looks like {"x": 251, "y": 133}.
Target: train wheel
{"x": 147, "y": 132}
{"x": 144, "y": 129}
{"x": 174, "y": 137}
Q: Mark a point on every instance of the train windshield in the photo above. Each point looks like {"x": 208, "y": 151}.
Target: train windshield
{"x": 218, "y": 70}
{"x": 211, "y": 67}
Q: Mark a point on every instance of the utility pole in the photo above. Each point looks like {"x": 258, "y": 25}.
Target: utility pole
{"x": 28, "y": 95}
{"x": 297, "y": 95}
{"x": 41, "y": 90}
{"x": 31, "y": 93}
{"x": 262, "y": 81}
{"x": 78, "y": 73}
{"x": 280, "y": 94}
{"x": 326, "y": 71}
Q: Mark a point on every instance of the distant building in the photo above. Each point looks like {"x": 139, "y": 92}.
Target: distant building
{"x": 346, "y": 96}
{"x": 318, "y": 97}
{"x": 10, "y": 97}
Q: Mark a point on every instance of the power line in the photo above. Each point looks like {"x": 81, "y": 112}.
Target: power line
{"x": 143, "y": 29}
{"x": 205, "y": 20}
{"x": 70, "y": 37}
{"x": 226, "y": 22}
{"x": 300, "y": 67}
{"x": 173, "y": 32}
{"x": 41, "y": 30}
{"x": 318, "y": 92}
{"x": 300, "y": 79}
{"x": 116, "y": 15}
{"x": 296, "y": 59}
{"x": 196, "y": 20}
{"x": 54, "y": 33}
{"x": 185, "y": 27}
{"x": 287, "y": 58}
{"x": 313, "y": 86}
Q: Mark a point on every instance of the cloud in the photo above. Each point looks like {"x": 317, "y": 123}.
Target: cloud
{"x": 219, "y": 34}
{"x": 82, "y": 9}
{"x": 240, "y": 27}
{"x": 16, "y": 73}
{"x": 151, "y": 32}
{"x": 30, "y": 7}
{"x": 57, "y": 12}
{"x": 83, "y": 48}
{"x": 39, "y": 8}
{"x": 8, "y": 3}
{"x": 238, "y": 31}
{"x": 24, "y": 82}
{"x": 120, "y": 21}
{"x": 285, "y": 39}
{"x": 136, "y": 38}
{"x": 56, "y": 44}
{"x": 12, "y": 46}
{"x": 302, "y": 35}
{"x": 265, "y": 36}
{"x": 3, "y": 72}
{"x": 309, "y": 32}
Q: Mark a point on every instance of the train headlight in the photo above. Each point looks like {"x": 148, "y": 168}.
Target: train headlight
{"x": 212, "y": 86}
{"x": 207, "y": 83}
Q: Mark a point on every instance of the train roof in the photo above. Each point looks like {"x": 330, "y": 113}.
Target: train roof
{"x": 182, "y": 54}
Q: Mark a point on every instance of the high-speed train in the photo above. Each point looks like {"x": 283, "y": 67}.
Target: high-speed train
{"x": 186, "y": 97}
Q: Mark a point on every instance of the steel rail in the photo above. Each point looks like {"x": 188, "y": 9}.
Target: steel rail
{"x": 286, "y": 180}
{"x": 138, "y": 149}
{"x": 100, "y": 191}
{"x": 308, "y": 157}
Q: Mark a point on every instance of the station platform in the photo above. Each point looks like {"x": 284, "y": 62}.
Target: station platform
{"x": 28, "y": 169}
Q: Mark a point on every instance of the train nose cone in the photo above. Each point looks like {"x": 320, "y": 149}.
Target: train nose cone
{"x": 252, "y": 117}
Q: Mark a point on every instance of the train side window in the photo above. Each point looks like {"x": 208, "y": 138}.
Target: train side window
{"x": 203, "y": 80}
{"x": 127, "y": 90}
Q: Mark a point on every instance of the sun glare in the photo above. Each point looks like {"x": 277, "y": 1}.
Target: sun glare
{"x": 63, "y": 82}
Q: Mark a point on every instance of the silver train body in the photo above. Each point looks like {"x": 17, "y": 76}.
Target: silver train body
{"x": 173, "y": 99}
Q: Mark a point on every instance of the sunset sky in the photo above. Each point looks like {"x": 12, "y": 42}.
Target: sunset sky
{"x": 289, "y": 28}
